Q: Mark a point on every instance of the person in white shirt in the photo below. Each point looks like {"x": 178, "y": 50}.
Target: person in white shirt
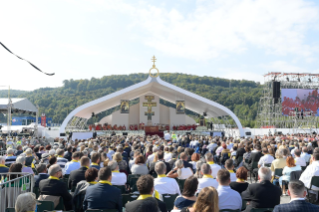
{"x": 227, "y": 197}
{"x": 111, "y": 152}
{"x": 163, "y": 184}
{"x": 167, "y": 136}
{"x": 136, "y": 154}
{"x": 214, "y": 167}
{"x": 168, "y": 153}
{"x": 299, "y": 161}
{"x": 207, "y": 179}
{"x": 305, "y": 154}
{"x": 266, "y": 159}
{"x": 180, "y": 171}
{"x": 74, "y": 164}
{"x": 311, "y": 170}
{"x": 118, "y": 178}
{"x": 229, "y": 165}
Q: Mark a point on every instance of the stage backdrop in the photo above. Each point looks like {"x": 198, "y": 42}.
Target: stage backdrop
{"x": 305, "y": 99}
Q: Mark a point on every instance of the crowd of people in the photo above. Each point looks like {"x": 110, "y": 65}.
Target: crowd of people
{"x": 94, "y": 173}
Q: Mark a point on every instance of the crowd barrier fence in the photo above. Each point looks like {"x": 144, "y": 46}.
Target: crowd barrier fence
{"x": 10, "y": 190}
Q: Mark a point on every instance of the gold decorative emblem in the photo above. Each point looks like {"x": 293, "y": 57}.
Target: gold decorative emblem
{"x": 154, "y": 67}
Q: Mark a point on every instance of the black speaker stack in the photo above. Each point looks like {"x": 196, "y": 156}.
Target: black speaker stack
{"x": 276, "y": 91}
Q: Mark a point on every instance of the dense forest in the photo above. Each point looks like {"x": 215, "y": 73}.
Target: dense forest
{"x": 240, "y": 96}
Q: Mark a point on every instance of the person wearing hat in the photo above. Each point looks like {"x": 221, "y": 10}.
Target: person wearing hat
{"x": 54, "y": 187}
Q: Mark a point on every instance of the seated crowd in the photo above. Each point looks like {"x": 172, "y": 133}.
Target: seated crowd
{"x": 210, "y": 174}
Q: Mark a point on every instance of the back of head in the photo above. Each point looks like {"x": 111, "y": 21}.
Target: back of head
{"x": 209, "y": 156}
{"x": 21, "y": 159}
{"x": 85, "y": 161}
{"x": 54, "y": 169}
{"x": 160, "y": 168}
{"x": 190, "y": 186}
{"x": 315, "y": 155}
{"x": 229, "y": 164}
{"x": 264, "y": 173}
{"x": 105, "y": 173}
{"x": 91, "y": 174}
{"x": 95, "y": 157}
{"x": 76, "y": 155}
{"x": 113, "y": 165}
{"x": 207, "y": 200}
{"x": 2, "y": 159}
{"x": 223, "y": 177}
{"x": 60, "y": 152}
{"x": 265, "y": 150}
{"x": 205, "y": 168}
{"x": 296, "y": 188}
{"x": 145, "y": 184}
{"x": 183, "y": 156}
{"x": 25, "y": 202}
{"x": 41, "y": 167}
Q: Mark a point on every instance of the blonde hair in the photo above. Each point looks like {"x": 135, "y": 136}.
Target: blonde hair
{"x": 155, "y": 157}
{"x": 117, "y": 157}
{"x": 207, "y": 200}
{"x": 179, "y": 164}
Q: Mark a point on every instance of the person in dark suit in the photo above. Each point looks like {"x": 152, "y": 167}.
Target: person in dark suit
{"x": 42, "y": 174}
{"x": 239, "y": 153}
{"x": 145, "y": 186}
{"x": 103, "y": 195}
{"x": 254, "y": 156}
{"x": 184, "y": 157}
{"x": 79, "y": 174}
{"x": 297, "y": 203}
{"x": 54, "y": 187}
{"x": 263, "y": 194}
{"x": 68, "y": 155}
{"x": 160, "y": 155}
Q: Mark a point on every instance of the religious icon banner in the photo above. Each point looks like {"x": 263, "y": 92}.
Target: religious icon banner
{"x": 180, "y": 107}
{"x": 125, "y": 106}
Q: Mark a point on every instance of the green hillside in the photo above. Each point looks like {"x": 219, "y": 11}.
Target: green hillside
{"x": 242, "y": 97}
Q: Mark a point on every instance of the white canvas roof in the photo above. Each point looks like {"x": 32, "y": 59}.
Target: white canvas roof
{"x": 18, "y": 103}
{"x": 164, "y": 90}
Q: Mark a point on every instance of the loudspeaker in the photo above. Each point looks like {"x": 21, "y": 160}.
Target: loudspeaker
{"x": 62, "y": 134}
{"x": 279, "y": 133}
{"x": 276, "y": 90}
{"x": 124, "y": 133}
{"x": 204, "y": 114}
{"x": 94, "y": 135}
{"x": 247, "y": 133}
{"x": 188, "y": 133}
{"x": 212, "y": 134}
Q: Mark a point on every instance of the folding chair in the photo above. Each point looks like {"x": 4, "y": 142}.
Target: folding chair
{"x": 314, "y": 182}
{"x": 10, "y": 210}
{"x": 45, "y": 206}
{"x": 36, "y": 191}
{"x": 169, "y": 200}
{"x": 254, "y": 166}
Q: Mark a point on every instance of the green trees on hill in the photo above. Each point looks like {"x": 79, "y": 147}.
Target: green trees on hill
{"x": 241, "y": 97}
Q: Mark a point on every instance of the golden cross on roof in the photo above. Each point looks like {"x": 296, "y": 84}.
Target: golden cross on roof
{"x": 154, "y": 67}
{"x": 154, "y": 60}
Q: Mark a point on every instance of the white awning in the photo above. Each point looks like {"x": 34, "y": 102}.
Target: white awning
{"x": 164, "y": 90}
{"x": 21, "y": 104}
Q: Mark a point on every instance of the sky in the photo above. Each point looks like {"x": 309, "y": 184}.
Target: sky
{"x": 81, "y": 39}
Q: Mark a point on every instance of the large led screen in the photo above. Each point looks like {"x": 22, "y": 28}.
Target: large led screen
{"x": 305, "y": 100}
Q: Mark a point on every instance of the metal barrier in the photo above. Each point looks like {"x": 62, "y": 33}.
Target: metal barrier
{"x": 10, "y": 190}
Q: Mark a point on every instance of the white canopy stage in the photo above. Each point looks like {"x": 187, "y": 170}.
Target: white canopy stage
{"x": 20, "y": 104}
{"x": 149, "y": 110}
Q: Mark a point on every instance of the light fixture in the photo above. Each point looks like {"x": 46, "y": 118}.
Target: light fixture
{"x": 287, "y": 79}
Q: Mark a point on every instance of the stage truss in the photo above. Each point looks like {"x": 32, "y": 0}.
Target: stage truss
{"x": 269, "y": 114}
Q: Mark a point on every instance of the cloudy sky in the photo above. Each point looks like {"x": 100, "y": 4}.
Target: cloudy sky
{"x": 81, "y": 39}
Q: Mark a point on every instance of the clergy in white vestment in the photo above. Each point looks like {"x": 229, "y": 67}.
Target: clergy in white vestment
{"x": 118, "y": 178}
{"x": 163, "y": 184}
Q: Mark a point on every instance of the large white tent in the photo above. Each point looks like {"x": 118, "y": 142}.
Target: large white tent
{"x": 160, "y": 88}
{"x": 20, "y": 104}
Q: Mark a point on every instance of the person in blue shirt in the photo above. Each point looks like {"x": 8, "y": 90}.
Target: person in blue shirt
{"x": 74, "y": 164}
